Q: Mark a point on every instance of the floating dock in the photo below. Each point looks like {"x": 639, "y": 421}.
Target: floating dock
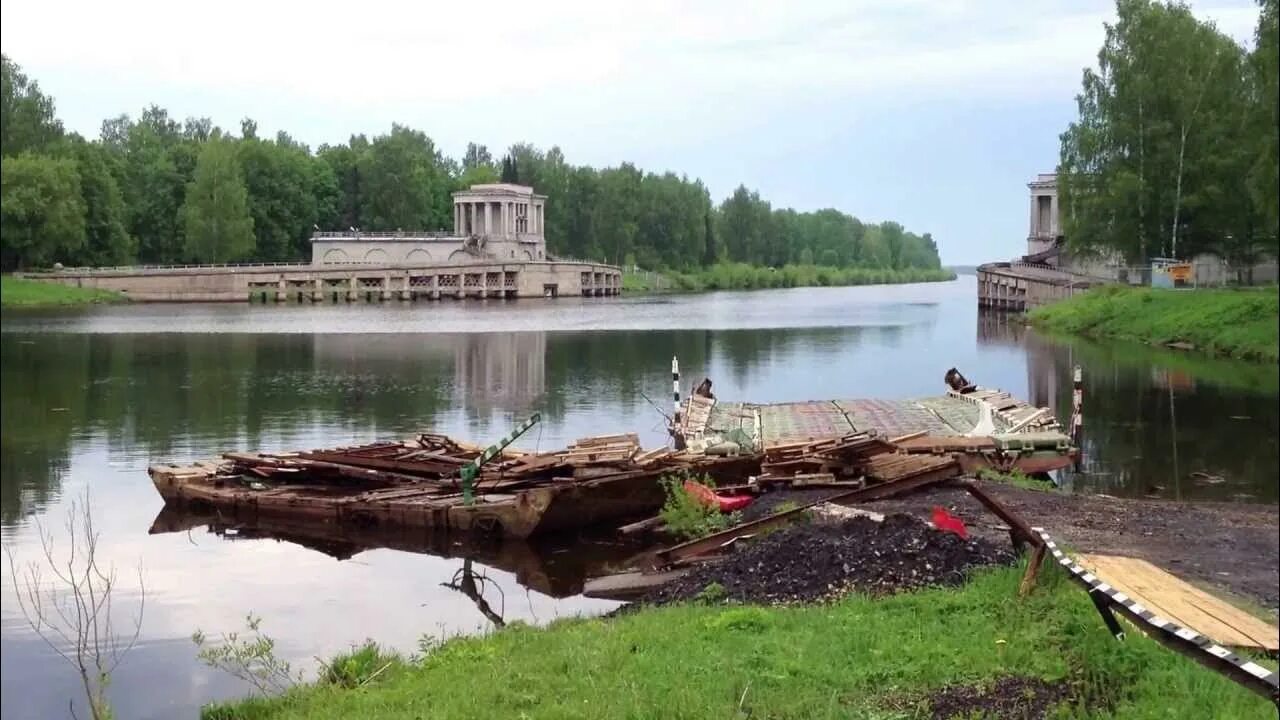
{"x": 983, "y": 428}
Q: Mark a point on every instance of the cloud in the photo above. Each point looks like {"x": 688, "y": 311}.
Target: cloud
{"x": 727, "y": 91}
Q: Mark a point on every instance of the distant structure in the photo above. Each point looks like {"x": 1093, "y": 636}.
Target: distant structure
{"x": 1044, "y": 238}
{"x": 497, "y": 250}
{"x": 495, "y": 221}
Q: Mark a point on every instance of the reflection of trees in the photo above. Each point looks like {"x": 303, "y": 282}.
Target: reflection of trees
{"x": 160, "y": 392}
{"x": 1153, "y": 417}
{"x": 472, "y": 584}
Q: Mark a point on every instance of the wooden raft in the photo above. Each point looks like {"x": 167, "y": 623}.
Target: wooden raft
{"x": 1183, "y": 603}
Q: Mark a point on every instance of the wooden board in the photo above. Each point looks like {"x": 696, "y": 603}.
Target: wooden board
{"x": 1183, "y": 603}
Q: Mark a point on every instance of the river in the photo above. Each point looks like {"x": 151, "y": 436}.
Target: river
{"x": 91, "y": 396}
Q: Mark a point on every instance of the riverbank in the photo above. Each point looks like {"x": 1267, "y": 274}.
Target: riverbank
{"x": 20, "y": 292}
{"x": 741, "y": 276}
{"x": 936, "y": 653}
{"x": 1241, "y": 323}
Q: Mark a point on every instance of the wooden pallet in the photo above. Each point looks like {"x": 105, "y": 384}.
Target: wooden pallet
{"x": 1183, "y": 603}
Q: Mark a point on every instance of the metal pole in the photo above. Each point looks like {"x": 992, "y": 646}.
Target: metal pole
{"x": 1077, "y": 413}
{"x": 675, "y": 390}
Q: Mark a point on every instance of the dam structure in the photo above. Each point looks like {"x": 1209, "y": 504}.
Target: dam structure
{"x": 497, "y": 249}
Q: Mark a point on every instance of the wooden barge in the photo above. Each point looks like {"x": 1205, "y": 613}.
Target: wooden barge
{"x": 980, "y": 427}
{"x": 417, "y": 484}
{"x": 432, "y": 481}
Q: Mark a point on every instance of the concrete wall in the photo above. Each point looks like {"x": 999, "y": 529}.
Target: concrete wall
{"x": 421, "y": 250}
{"x": 380, "y": 282}
{"x": 1020, "y": 287}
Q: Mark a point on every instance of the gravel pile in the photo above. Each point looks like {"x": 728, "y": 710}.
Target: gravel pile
{"x": 811, "y": 561}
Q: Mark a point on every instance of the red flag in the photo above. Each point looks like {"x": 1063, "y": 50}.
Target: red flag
{"x": 947, "y": 522}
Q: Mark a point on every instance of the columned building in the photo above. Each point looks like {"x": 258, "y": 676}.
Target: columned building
{"x": 495, "y": 221}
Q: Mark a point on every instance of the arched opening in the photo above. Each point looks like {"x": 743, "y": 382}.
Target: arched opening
{"x": 418, "y": 256}
{"x": 335, "y": 257}
{"x": 376, "y": 255}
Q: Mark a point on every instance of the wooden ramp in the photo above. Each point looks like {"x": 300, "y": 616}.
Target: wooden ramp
{"x": 1182, "y": 603}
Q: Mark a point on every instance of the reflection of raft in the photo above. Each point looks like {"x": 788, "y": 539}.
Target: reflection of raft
{"x": 541, "y": 565}
{"x": 982, "y": 427}
{"x": 416, "y": 484}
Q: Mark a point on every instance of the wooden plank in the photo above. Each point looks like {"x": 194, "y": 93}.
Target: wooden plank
{"x": 1183, "y": 603}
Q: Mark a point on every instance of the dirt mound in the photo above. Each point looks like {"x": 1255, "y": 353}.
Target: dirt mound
{"x": 810, "y": 562}
{"x": 1019, "y": 698}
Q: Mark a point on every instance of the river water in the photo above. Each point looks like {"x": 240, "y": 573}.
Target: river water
{"x": 91, "y": 396}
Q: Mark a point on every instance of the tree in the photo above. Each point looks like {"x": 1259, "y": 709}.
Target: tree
{"x": 1145, "y": 164}
{"x": 282, "y": 200}
{"x": 216, "y": 214}
{"x": 343, "y": 161}
{"x": 27, "y": 120}
{"x": 41, "y": 211}
{"x": 510, "y": 173}
{"x": 107, "y": 241}
{"x": 478, "y": 156}
{"x": 1264, "y": 67}
{"x": 71, "y": 607}
{"x": 406, "y": 183}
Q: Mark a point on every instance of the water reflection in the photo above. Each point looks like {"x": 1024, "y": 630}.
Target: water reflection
{"x": 88, "y": 399}
{"x": 1157, "y": 422}
{"x": 555, "y": 566}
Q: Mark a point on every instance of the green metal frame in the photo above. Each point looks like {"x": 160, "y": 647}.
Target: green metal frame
{"x": 471, "y": 470}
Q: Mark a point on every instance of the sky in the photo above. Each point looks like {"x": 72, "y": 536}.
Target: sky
{"x": 934, "y": 114}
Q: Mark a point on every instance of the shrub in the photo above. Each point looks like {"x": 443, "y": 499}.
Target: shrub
{"x": 685, "y": 516}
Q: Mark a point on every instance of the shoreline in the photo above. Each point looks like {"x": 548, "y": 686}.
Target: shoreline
{"x": 902, "y": 652}
{"x": 740, "y": 276}
{"x": 21, "y": 293}
{"x": 1241, "y": 324}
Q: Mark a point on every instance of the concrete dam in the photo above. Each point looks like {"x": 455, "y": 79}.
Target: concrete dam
{"x": 496, "y": 250}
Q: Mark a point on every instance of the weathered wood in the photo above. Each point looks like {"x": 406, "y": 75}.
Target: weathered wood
{"x": 641, "y": 526}
{"x": 1185, "y": 604}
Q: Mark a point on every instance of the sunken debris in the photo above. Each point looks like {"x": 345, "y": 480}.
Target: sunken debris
{"x": 812, "y": 562}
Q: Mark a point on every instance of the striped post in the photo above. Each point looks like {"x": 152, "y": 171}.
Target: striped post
{"x": 471, "y": 470}
{"x": 675, "y": 390}
{"x": 1077, "y": 412}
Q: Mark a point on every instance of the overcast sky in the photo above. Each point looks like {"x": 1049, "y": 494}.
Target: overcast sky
{"x": 935, "y": 114}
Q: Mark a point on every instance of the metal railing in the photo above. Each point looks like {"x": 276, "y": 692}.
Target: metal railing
{"x": 120, "y": 268}
{"x": 381, "y": 235}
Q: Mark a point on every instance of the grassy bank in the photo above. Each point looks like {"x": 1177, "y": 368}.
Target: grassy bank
{"x": 741, "y": 276}
{"x": 857, "y": 657}
{"x": 20, "y": 292}
{"x": 1236, "y": 323}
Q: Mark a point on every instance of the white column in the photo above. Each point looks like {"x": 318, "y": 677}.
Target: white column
{"x": 1054, "y": 222}
{"x": 457, "y": 226}
{"x": 1031, "y": 227}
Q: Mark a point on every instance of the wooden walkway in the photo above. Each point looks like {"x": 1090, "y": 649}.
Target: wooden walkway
{"x": 1186, "y": 605}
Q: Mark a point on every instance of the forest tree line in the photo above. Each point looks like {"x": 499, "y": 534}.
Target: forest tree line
{"x": 1174, "y": 152}
{"x": 152, "y": 189}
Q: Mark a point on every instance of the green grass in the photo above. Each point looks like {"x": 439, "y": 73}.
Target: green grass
{"x": 856, "y": 657}
{"x": 21, "y": 292}
{"x": 741, "y": 276}
{"x": 1241, "y": 323}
